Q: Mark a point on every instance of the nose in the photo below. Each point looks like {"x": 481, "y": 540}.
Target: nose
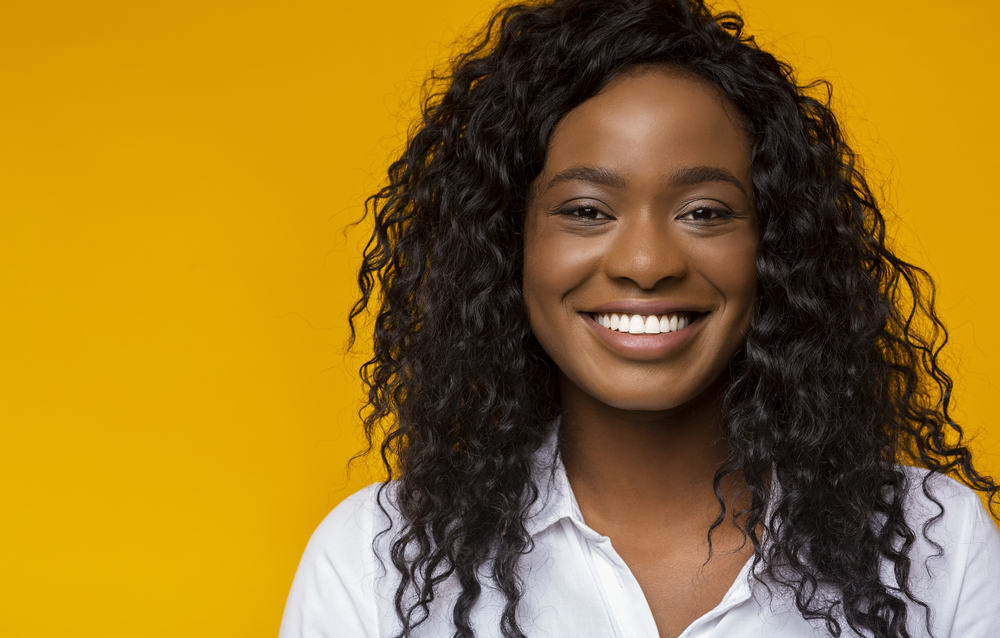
{"x": 645, "y": 252}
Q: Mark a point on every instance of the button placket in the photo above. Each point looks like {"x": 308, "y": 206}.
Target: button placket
{"x": 586, "y": 541}
{"x": 631, "y": 610}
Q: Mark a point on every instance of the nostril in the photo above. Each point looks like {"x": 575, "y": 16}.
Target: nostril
{"x": 645, "y": 263}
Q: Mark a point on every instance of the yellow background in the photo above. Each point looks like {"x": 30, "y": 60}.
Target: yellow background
{"x": 175, "y": 180}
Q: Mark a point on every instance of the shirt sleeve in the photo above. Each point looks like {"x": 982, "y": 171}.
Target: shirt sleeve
{"x": 978, "y": 607}
{"x": 333, "y": 594}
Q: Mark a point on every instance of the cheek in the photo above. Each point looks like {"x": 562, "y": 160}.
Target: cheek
{"x": 731, "y": 268}
{"x": 739, "y": 285}
{"x": 540, "y": 298}
{"x": 556, "y": 268}
{"x": 555, "y": 265}
{"x": 533, "y": 283}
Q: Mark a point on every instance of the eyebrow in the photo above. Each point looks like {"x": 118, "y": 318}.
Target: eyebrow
{"x": 687, "y": 176}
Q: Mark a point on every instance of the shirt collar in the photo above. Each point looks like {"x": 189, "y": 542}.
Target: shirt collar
{"x": 555, "y": 496}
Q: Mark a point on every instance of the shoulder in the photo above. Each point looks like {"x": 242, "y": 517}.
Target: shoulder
{"x": 947, "y": 510}
{"x": 335, "y": 584}
{"x": 955, "y": 558}
{"x": 353, "y": 522}
{"x": 937, "y": 500}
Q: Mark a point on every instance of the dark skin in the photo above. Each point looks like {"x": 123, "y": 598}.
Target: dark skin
{"x": 648, "y": 488}
{"x": 644, "y": 206}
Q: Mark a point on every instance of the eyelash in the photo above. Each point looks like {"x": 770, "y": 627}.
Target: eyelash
{"x": 574, "y": 211}
{"x": 719, "y": 213}
{"x": 596, "y": 214}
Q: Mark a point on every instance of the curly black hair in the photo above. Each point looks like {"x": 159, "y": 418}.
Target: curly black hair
{"x": 838, "y": 382}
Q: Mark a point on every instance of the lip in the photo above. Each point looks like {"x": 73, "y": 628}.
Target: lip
{"x": 639, "y": 307}
{"x": 644, "y": 347}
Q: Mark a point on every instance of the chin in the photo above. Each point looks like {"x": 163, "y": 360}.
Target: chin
{"x": 640, "y": 401}
{"x": 656, "y": 394}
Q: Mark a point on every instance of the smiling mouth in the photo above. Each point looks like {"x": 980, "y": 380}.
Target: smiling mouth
{"x": 646, "y": 324}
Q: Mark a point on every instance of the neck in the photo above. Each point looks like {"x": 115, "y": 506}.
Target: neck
{"x": 643, "y": 471}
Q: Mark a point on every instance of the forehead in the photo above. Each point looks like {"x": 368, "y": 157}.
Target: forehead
{"x": 652, "y": 120}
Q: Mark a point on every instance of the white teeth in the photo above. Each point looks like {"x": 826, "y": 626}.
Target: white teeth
{"x": 636, "y": 325}
{"x": 643, "y": 324}
{"x": 652, "y": 326}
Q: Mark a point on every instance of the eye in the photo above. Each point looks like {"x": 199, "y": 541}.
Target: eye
{"x": 589, "y": 213}
{"x": 707, "y": 214}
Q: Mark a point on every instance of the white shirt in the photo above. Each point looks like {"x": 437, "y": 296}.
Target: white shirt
{"x": 577, "y": 586}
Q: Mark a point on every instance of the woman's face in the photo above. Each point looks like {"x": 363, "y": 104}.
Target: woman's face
{"x": 642, "y": 220}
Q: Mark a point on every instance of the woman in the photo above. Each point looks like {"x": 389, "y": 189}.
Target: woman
{"x": 644, "y": 364}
